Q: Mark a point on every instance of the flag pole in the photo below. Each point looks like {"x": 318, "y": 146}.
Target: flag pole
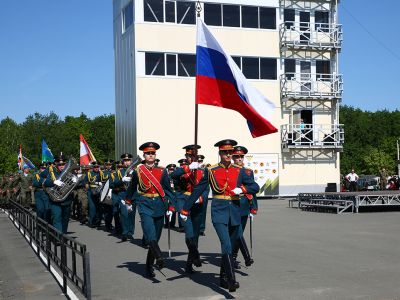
{"x": 196, "y": 106}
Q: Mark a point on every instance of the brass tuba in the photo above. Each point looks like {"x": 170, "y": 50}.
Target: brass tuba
{"x": 130, "y": 169}
{"x": 69, "y": 180}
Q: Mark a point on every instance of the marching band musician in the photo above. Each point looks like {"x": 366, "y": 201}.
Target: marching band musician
{"x": 41, "y": 198}
{"x": 188, "y": 177}
{"x": 227, "y": 182}
{"x": 116, "y": 185}
{"x": 150, "y": 188}
{"x": 60, "y": 211}
{"x": 248, "y": 209}
{"x": 120, "y": 183}
{"x": 93, "y": 186}
{"x": 107, "y": 210}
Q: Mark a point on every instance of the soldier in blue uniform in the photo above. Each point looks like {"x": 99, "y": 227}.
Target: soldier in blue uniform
{"x": 200, "y": 160}
{"x": 41, "y": 197}
{"x": 60, "y": 211}
{"x": 188, "y": 177}
{"x": 150, "y": 188}
{"x": 171, "y": 168}
{"x": 116, "y": 185}
{"x": 107, "y": 210}
{"x": 93, "y": 186}
{"x": 248, "y": 209}
{"x": 127, "y": 213}
{"x": 179, "y": 190}
{"x": 227, "y": 182}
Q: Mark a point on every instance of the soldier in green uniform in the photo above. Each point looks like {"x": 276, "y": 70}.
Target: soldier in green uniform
{"x": 81, "y": 196}
{"x": 23, "y": 184}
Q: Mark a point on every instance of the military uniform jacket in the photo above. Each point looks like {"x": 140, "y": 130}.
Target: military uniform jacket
{"x": 225, "y": 207}
{"x": 248, "y": 202}
{"x": 92, "y": 178}
{"x": 38, "y": 181}
{"x": 145, "y": 194}
{"x": 116, "y": 183}
{"x": 53, "y": 174}
{"x": 24, "y": 182}
{"x": 187, "y": 181}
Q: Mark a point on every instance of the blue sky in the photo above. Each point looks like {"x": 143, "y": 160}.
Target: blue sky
{"x": 58, "y": 56}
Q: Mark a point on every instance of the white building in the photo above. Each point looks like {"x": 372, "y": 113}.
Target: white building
{"x": 288, "y": 49}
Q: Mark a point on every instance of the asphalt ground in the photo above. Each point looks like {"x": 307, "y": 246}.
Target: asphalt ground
{"x": 22, "y": 275}
{"x": 298, "y": 255}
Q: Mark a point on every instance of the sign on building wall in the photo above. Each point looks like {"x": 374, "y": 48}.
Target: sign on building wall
{"x": 266, "y": 172}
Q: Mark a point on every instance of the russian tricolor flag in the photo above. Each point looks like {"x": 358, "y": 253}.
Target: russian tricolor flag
{"x": 219, "y": 82}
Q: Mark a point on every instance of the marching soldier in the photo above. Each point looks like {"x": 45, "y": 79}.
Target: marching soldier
{"x": 93, "y": 186}
{"x": 116, "y": 186}
{"x": 189, "y": 176}
{"x": 81, "y": 195}
{"x": 119, "y": 184}
{"x": 41, "y": 197}
{"x": 200, "y": 160}
{"x": 227, "y": 182}
{"x": 106, "y": 209}
{"x": 248, "y": 209}
{"x": 60, "y": 211}
{"x": 154, "y": 198}
{"x": 179, "y": 190}
{"x": 171, "y": 168}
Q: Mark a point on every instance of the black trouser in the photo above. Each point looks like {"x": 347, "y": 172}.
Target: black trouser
{"x": 353, "y": 186}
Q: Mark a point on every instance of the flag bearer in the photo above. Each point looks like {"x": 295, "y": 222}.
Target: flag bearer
{"x": 154, "y": 198}
{"x": 227, "y": 182}
{"x": 188, "y": 177}
{"x": 248, "y": 209}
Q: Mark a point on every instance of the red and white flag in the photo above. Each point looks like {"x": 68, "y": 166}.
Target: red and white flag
{"x": 86, "y": 155}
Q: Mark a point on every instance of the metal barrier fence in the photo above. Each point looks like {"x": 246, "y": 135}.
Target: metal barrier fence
{"x": 57, "y": 250}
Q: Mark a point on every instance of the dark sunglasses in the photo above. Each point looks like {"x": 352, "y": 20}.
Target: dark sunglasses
{"x": 150, "y": 153}
{"x": 238, "y": 156}
{"x": 226, "y": 152}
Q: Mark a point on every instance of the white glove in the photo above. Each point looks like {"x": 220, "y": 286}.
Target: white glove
{"x": 100, "y": 184}
{"x": 74, "y": 179}
{"x": 194, "y": 165}
{"x": 123, "y": 202}
{"x": 237, "y": 191}
{"x": 197, "y": 201}
{"x": 251, "y": 216}
{"x": 126, "y": 179}
{"x": 128, "y": 207}
{"x": 79, "y": 175}
{"x": 183, "y": 217}
{"x": 58, "y": 182}
{"x": 169, "y": 215}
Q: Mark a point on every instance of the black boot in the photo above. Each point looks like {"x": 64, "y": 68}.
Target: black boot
{"x": 223, "y": 280}
{"x": 235, "y": 251}
{"x": 189, "y": 267}
{"x": 245, "y": 251}
{"x": 193, "y": 252}
{"x": 227, "y": 263}
{"x": 157, "y": 254}
{"x": 149, "y": 264}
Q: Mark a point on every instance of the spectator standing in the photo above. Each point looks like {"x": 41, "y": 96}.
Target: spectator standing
{"x": 383, "y": 175}
{"x": 352, "y": 178}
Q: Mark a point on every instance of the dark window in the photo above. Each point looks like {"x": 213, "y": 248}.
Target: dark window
{"x": 323, "y": 69}
{"x": 250, "y": 67}
{"x": 237, "y": 61}
{"x": 267, "y": 18}
{"x": 231, "y": 15}
{"x": 249, "y": 16}
{"x": 171, "y": 64}
{"x": 128, "y": 15}
{"x": 290, "y": 68}
{"x": 185, "y": 12}
{"x": 268, "y": 68}
{"x": 288, "y": 17}
{"x": 155, "y": 64}
{"x": 170, "y": 11}
{"x": 212, "y": 14}
{"x": 322, "y": 21}
{"x": 153, "y": 11}
{"x": 186, "y": 65}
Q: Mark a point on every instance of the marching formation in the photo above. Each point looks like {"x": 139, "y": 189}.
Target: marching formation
{"x": 112, "y": 194}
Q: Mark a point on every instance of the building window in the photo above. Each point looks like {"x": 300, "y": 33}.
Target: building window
{"x": 155, "y": 64}
{"x": 251, "y": 67}
{"x": 321, "y": 21}
{"x": 213, "y": 14}
{"x": 323, "y": 69}
{"x": 250, "y": 17}
{"x": 268, "y": 68}
{"x": 153, "y": 10}
{"x": 290, "y": 68}
{"x": 186, "y": 12}
{"x": 170, "y": 12}
{"x": 288, "y": 17}
{"x": 237, "y": 60}
{"x": 171, "y": 64}
{"x": 187, "y": 65}
{"x": 231, "y": 15}
{"x": 267, "y": 18}
{"x": 127, "y": 14}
